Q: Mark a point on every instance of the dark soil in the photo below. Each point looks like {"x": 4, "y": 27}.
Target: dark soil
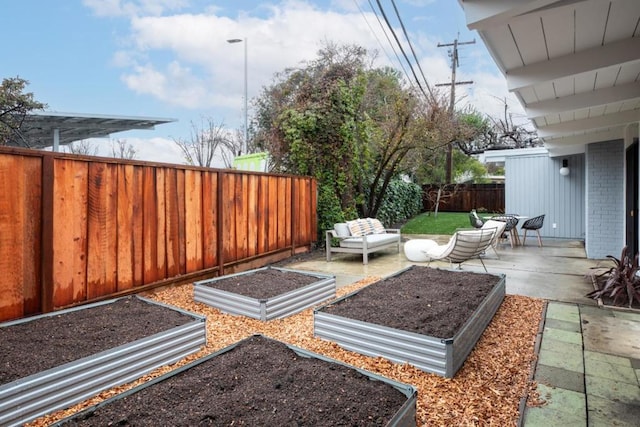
{"x": 260, "y": 382}
{"x": 264, "y": 383}
{"x": 422, "y": 300}
{"x": 34, "y": 346}
{"x": 264, "y": 284}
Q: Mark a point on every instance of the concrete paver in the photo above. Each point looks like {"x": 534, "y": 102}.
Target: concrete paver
{"x": 563, "y": 408}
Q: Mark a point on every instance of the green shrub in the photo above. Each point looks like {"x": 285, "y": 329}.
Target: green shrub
{"x": 403, "y": 200}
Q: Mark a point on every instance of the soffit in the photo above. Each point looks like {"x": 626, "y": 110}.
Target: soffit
{"x": 573, "y": 64}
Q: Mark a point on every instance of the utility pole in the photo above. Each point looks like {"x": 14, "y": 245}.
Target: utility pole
{"x": 453, "y": 53}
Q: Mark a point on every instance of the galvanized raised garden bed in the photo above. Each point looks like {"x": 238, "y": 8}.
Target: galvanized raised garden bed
{"x": 57, "y": 388}
{"x": 436, "y": 355}
{"x": 404, "y": 417}
{"x": 277, "y": 307}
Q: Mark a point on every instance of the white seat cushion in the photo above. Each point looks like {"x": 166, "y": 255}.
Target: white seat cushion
{"x": 416, "y": 249}
{"x": 341, "y": 229}
{"x": 439, "y": 251}
{"x": 373, "y": 240}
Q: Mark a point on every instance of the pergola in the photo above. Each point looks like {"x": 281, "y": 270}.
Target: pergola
{"x": 49, "y": 129}
{"x": 573, "y": 64}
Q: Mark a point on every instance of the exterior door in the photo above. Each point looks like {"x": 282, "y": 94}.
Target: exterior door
{"x": 632, "y": 198}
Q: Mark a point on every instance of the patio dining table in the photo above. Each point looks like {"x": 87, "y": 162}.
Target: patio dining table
{"x": 515, "y": 237}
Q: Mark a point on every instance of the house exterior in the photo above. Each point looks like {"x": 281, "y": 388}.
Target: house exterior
{"x": 575, "y": 68}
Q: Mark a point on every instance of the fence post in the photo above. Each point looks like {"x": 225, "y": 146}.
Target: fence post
{"x": 294, "y": 217}
{"x": 220, "y": 219}
{"x": 46, "y": 244}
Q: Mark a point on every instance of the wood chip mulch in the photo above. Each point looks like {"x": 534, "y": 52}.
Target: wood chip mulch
{"x": 487, "y": 390}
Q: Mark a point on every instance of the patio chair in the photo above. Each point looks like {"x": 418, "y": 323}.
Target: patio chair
{"x": 533, "y": 224}
{"x": 475, "y": 220}
{"x": 463, "y": 246}
{"x": 510, "y": 228}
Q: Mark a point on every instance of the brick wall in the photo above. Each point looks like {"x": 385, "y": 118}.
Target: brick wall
{"x": 605, "y": 199}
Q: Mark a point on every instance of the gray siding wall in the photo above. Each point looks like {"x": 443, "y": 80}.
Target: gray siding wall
{"x": 605, "y": 199}
{"x": 534, "y": 186}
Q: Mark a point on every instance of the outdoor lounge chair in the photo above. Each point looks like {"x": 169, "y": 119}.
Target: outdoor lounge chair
{"x": 463, "y": 246}
{"x": 475, "y": 220}
{"x": 533, "y": 224}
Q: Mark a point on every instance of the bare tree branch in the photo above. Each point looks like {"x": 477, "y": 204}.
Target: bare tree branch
{"x": 206, "y": 142}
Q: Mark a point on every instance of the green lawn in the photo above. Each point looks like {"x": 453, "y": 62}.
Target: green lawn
{"x": 445, "y": 223}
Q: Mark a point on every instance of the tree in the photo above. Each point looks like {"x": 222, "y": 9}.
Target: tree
{"x": 490, "y": 133}
{"x": 352, "y": 126}
{"x": 207, "y": 141}
{"x": 121, "y": 149}
{"x": 82, "y": 147}
{"x": 15, "y": 104}
{"x": 310, "y": 120}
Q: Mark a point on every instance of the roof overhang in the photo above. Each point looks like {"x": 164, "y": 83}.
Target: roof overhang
{"x": 46, "y": 129}
{"x": 574, "y": 65}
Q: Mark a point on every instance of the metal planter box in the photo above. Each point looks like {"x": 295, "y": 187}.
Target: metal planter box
{"x": 57, "y": 388}
{"x": 277, "y": 307}
{"x": 404, "y": 417}
{"x": 443, "y": 357}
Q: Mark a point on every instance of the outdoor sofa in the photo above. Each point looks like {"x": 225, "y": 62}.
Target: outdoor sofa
{"x": 361, "y": 236}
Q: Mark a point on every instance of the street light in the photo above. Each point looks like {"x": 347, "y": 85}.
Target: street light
{"x": 246, "y": 128}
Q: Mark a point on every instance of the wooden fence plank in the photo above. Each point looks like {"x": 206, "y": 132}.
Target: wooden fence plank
{"x": 228, "y": 213}
{"x": 172, "y": 221}
{"x": 252, "y": 219}
{"x": 124, "y": 212}
{"x": 193, "y": 220}
{"x": 241, "y": 202}
{"x": 161, "y": 239}
{"x": 210, "y": 219}
{"x": 272, "y": 213}
{"x": 182, "y": 222}
{"x": 150, "y": 225}
{"x": 11, "y": 229}
{"x": 31, "y": 247}
{"x": 299, "y": 195}
{"x": 311, "y": 211}
{"x": 283, "y": 234}
{"x": 137, "y": 192}
{"x": 263, "y": 214}
{"x": 70, "y": 205}
{"x": 102, "y": 230}
{"x": 19, "y": 209}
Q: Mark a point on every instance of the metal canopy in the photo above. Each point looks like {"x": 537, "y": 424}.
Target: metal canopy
{"x": 41, "y": 129}
{"x": 574, "y": 65}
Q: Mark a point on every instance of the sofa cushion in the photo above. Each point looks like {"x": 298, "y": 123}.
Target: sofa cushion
{"x": 341, "y": 229}
{"x": 376, "y": 225}
{"x": 373, "y": 241}
{"x": 359, "y": 227}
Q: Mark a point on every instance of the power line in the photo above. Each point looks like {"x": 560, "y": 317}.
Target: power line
{"x": 404, "y": 54}
{"x": 384, "y": 31}
{"x": 455, "y": 62}
{"x": 415, "y": 57}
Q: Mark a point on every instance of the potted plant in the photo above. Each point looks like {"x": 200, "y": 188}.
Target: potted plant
{"x": 621, "y": 282}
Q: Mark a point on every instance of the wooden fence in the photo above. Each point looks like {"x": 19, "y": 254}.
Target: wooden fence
{"x": 464, "y": 197}
{"x": 77, "y": 229}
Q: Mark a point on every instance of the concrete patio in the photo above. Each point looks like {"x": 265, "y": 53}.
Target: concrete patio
{"x": 588, "y": 365}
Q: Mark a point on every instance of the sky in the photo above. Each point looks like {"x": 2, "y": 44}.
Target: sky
{"x": 170, "y": 59}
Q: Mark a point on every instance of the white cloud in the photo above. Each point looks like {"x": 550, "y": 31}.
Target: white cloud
{"x": 184, "y": 60}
